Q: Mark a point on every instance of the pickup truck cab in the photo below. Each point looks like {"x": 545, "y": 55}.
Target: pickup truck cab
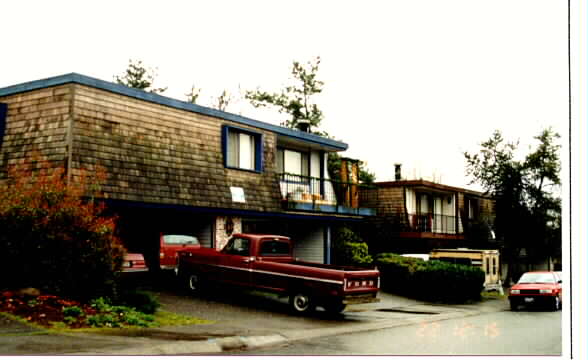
{"x": 265, "y": 262}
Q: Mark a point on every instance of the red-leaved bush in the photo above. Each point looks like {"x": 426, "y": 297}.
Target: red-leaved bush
{"x": 54, "y": 236}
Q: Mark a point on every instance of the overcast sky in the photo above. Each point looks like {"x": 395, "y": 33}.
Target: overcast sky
{"x": 410, "y": 82}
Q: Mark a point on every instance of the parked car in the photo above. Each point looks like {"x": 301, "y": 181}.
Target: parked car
{"x": 170, "y": 244}
{"x": 134, "y": 262}
{"x": 265, "y": 263}
{"x": 536, "y": 288}
{"x": 559, "y": 275}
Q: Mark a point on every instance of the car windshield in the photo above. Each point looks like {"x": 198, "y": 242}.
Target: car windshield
{"x": 180, "y": 240}
{"x": 536, "y": 278}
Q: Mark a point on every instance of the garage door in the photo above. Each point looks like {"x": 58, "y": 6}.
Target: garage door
{"x": 309, "y": 244}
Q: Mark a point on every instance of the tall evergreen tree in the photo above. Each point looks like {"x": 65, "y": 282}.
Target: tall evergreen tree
{"x": 139, "y": 77}
{"x": 528, "y": 209}
{"x": 296, "y": 99}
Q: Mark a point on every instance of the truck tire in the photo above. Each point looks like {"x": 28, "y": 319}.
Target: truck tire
{"x": 301, "y": 303}
{"x": 192, "y": 282}
{"x": 514, "y": 305}
{"x": 334, "y": 307}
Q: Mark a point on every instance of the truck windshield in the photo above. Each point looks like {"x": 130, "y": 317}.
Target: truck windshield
{"x": 530, "y": 278}
{"x": 180, "y": 240}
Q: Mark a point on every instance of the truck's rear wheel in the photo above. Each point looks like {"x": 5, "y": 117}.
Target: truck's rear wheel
{"x": 334, "y": 307}
{"x": 301, "y": 303}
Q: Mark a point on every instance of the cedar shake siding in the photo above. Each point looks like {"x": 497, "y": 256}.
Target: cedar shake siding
{"x": 158, "y": 154}
{"x": 417, "y": 215}
{"x": 155, "y": 150}
{"x": 172, "y": 166}
{"x": 35, "y": 122}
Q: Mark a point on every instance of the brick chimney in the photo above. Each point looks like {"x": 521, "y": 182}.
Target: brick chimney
{"x": 303, "y": 125}
{"x": 397, "y": 172}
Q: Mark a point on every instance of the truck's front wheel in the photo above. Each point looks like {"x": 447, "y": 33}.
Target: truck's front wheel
{"x": 301, "y": 303}
{"x": 194, "y": 282}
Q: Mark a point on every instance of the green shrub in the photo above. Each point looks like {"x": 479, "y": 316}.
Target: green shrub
{"x": 70, "y": 319}
{"x": 101, "y": 304}
{"x": 73, "y": 311}
{"x": 142, "y": 301}
{"x": 117, "y": 315}
{"x": 430, "y": 280}
{"x": 350, "y": 249}
{"x": 103, "y": 320}
{"x": 54, "y": 240}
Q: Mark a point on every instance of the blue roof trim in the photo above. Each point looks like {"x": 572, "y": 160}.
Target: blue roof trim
{"x": 163, "y": 100}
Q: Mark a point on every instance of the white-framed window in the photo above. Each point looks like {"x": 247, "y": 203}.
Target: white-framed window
{"x": 293, "y": 162}
{"x": 242, "y": 149}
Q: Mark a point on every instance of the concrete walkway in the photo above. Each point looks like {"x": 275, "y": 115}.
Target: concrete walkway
{"x": 393, "y": 311}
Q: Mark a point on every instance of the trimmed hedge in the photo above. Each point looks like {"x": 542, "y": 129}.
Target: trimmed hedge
{"x": 430, "y": 280}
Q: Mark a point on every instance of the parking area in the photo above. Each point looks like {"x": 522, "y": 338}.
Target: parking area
{"x": 251, "y": 313}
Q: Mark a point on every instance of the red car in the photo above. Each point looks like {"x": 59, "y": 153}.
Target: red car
{"x": 134, "y": 262}
{"x": 170, "y": 244}
{"x": 536, "y": 288}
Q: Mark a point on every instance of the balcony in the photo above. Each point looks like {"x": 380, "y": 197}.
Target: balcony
{"x": 431, "y": 225}
{"x": 305, "y": 193}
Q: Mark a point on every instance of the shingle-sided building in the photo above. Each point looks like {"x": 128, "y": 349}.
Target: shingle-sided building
{"x": 418, "y": 216}
{"x": 176, "y": 167}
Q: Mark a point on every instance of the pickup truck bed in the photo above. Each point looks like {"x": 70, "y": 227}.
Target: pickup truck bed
{"x": 252, "y": 261}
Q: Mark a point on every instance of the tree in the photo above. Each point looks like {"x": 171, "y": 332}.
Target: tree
{"x": 193, "y": 95}
{"x": 527, "y": 209}
{"x": 223, "y": 100}
{"x": 296, "y": 99}
{"x": 137, "y": 76}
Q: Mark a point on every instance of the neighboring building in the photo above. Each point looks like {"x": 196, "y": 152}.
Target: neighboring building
{"x": 177, "y": 167}
{"x": 416, "y": 216}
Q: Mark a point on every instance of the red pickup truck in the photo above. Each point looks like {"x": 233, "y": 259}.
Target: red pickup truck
{"x": 265, "y": 262}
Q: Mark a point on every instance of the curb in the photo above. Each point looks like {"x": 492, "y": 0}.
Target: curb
{"x": 233, "y": 343}
{"x": 217, "y": 345}
{"x": 183, "y": 347}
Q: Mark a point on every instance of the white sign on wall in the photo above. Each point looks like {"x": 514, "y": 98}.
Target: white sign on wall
{"x": 237, "y": 194}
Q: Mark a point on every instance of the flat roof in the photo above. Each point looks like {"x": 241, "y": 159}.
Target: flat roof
{"x": 428, "y": 184}
{"x": 174, "y": 103}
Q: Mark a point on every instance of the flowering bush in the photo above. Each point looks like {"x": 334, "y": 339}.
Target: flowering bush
{"x": 53, "y": 235}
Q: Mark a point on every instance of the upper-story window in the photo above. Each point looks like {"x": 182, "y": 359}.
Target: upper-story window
{"x": 242, "y": 149}
{"x": 293, "y": 162}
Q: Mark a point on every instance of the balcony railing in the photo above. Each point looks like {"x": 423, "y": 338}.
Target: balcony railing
{"x": 325, "y": 195}
{"x": 430, "y": 222}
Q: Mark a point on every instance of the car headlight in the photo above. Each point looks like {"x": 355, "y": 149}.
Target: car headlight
{"x": 545, "y": 291}
{"x": 516, "y": 292}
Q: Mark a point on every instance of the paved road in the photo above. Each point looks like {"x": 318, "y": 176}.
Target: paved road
{"x": 240, "y": 321}
{"x": 500, "y": 333}
{"x": 250, "y": 314}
